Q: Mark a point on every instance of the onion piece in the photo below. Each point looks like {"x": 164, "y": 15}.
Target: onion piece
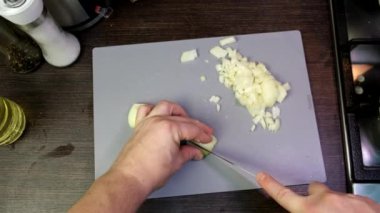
{"x": 228, "y": 40}
{"x": 215, "y": 100}
{"x": 190, "y": 55}
{"x": 218, "y": 52}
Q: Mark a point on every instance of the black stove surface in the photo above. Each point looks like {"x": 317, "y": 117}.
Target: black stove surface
{"x": 363, "y": 24}
{"x": 363, "y": 30}
{"x": 357, "y": 43}
{"x": 363, "y": 19}
{"x": 367, "y": 111}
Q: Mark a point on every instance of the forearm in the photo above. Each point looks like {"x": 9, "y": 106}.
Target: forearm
{"x": 113, "y": 192}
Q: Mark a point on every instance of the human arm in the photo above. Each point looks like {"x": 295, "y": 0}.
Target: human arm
{"x": 320, "y": 198}
{"x": 147, "y": 161}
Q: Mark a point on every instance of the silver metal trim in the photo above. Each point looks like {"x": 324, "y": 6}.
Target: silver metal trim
{"x": 345, "y": 137}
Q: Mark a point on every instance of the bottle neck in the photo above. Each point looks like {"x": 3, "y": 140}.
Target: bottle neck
{"x": 14, "y": 3}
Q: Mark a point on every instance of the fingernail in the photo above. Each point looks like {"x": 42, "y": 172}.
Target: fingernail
{"x": 198, "y": 157}
{"x": 261, "y": 176}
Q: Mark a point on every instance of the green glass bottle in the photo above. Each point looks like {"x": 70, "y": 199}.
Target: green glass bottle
{"x": 12, "y": 121}
{"x": 21, "y": 53}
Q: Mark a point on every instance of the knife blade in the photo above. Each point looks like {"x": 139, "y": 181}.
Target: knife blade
{"x": 247, "y": 174}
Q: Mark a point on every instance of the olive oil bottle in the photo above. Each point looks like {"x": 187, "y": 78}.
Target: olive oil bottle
{"x": 21, "y": 53}
{"x": 12, "y": 121}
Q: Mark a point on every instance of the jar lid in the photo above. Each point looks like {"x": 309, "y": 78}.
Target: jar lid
{"x": 21, "y": 12}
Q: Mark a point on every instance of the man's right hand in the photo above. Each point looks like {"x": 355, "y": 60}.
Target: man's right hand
{"x": 320, "y": 198}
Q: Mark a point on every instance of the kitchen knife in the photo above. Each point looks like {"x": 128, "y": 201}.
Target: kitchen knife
{"x": 247, "y": 174}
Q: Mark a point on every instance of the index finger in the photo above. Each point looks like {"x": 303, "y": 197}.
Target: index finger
{"x": 143, "y": 111}
{"x": 281, "y": 194}
{"x": 168, "y": 108}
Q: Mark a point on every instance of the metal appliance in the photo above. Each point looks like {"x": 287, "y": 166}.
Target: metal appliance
{"x": 356, "y": 28}
{"x": 77, "y": 15}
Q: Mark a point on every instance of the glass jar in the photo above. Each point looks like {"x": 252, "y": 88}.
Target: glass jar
{"x": 12, "y": 121}
{"x": 22, "y": 54}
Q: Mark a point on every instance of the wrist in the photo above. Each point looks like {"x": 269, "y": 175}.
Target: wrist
{"x": 113, "y": 192}
{"x": 130, "y": 193}
{"x": 131, "y": 178}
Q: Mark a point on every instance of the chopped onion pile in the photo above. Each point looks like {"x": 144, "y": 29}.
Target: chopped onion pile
{"x": 254, "y": 86}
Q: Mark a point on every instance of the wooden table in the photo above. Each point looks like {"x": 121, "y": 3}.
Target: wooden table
{"x": 53, "y": 164}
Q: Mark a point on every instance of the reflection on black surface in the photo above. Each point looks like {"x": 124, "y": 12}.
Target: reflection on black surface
{"x": 370, "y": 140}
{"x": 368, "y": 54}
{"x": 366, "y": 74}
{"x": 367, "y": 100}
{"x": 363, "y": 19}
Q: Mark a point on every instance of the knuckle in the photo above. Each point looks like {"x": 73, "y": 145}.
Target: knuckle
{"x": 309, "y": 207}
{"x": 333, "y": 197}
{"x": 311, "y": 204}
{"x": 283, "y": 193}
{"x": 154, "y": 119}
{"x": 145, "y": 107}
{"x": 164, "y": 103}
{"x": 165, "y": 124}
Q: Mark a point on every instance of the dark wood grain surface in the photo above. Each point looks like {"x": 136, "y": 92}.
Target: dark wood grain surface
{"x": 52, "y": 165}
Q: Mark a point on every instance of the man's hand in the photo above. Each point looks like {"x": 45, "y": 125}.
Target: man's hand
{"x": 320, "y": 198}
{"x": 147, "y": 161}
{"x": 154, "y": 153}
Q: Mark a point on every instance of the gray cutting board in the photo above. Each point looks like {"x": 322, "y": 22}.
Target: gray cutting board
{"x": 127, "y": 74}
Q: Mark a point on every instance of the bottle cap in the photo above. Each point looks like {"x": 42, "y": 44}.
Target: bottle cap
{"x": 21, "y": 12}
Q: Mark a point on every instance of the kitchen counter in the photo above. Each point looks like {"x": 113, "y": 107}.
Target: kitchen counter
{"x": 52, "y": 165}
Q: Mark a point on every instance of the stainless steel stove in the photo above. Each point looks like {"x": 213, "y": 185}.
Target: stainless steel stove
{"x": 356, "y": 27}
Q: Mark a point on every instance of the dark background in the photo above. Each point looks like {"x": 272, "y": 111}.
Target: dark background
{"x": 52, "y": 165}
